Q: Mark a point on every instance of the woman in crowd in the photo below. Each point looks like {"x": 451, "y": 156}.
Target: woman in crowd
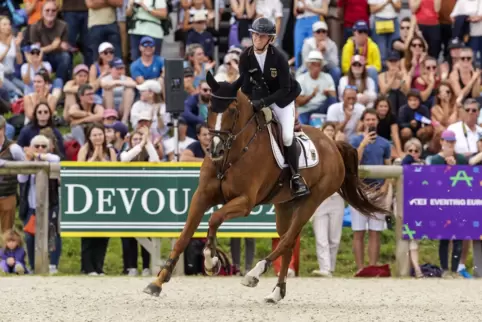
{"x": 387, "y": 125}
{"x": 244, "y": 11}
{"x": 149, "y": 102}
{"x": 358, "y": 76}
{"x": 445, "y": 111}
{"x": 428, "y": 80}
{"x": 41, "y": 84}
{"x": 71, "y": 88}
{"x": 464, "y": 78}
{"x": 385, "y": 28}
{"x": 426, "y": 13}
{"x": 231, "y": 71}
{"x": 41, "y": 118}
{"x": 196, "y": 60}
{"x": 101, "y": 68}
{"x": 141, "y": 150}
{"x": 10, "y": 54}
{"x": 412, "y": 62}
{"x": 39, "y": 150}
{"x": 93, "y": 250}
{"x": 328, "y": 224}
{"x": 34, "y": 58}
{"x": 390, "y": 82}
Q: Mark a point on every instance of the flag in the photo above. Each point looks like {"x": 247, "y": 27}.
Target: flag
{"x": 423, "y": 119}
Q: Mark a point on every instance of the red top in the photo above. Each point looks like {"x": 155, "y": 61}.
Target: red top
{"x": 354, "y": 10}
{"x": 426, "y": 14}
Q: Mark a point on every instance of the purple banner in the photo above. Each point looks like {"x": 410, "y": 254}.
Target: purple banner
{"x": 442, "y": 202}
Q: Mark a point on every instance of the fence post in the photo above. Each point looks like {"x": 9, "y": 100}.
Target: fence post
{"x": 402, "y": 246}
{"x": 42, "y": 222}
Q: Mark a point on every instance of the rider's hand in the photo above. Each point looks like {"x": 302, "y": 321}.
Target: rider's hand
{"x": 257, "y": 105}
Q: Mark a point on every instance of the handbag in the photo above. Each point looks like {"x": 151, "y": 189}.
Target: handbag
{"x": 30, "y": 226}
{"x": 384, "y": 27}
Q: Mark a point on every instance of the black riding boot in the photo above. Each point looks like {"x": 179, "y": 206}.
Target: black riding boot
{"x": 298, "y": 185}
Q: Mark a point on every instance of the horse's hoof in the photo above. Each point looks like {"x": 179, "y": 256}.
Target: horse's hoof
{"x": 250, "y": 281}
{"x": 153, "y": 289}
{"x": 275, "y": 296}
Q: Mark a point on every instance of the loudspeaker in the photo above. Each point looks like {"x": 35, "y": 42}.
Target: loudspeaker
{"x": 174, "y": 85}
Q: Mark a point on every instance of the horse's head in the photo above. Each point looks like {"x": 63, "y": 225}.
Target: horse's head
{"x": 225, "y": 115}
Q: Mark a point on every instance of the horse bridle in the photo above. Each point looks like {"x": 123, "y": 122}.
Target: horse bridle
{"x": 228, "y": 137}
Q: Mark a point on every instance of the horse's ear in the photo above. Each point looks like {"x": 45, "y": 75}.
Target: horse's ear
{"x": 212, "y": 82}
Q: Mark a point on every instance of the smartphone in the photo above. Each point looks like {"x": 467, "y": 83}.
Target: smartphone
{"x": 372, "y": 129}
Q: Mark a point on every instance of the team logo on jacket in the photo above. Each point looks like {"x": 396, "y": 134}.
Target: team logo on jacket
{"x": 274, "y": 72}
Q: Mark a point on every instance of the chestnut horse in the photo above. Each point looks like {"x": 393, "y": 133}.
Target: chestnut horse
{"x": 241, "y": 173}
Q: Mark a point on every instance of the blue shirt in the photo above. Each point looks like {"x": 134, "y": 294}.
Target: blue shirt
{"x": 374, "y": 154}
{"x": 152, "y": 71}
{"x": 193, "y": 114}
{"x": 205, "y": 39}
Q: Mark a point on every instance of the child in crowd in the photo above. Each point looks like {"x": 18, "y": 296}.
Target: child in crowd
{"x": 12, "y": 256}
{"x": 199, "y": 34}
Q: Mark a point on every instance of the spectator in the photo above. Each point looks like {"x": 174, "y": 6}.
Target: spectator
{"x": 199, "y": 35}
{"x": 317, "y": 89}
{"x": 249, "y": 253}
{"x": 361, "y": 44}
{"x": 148, "y": 66}
{"x": 50, "y": 34}
{"x": 196, "y": 151}
{"x": 387, "y": 126}
{"x": 41, "y": 84}
{"x": 93, "y": 250}
{"x": 358, "y": 77}
{"x": 196, "y": 60}
{"x": 428, "y": 81}
{"x": 445, "y": 112}
{"x": 103, "y": 26}
{"x": 85, "y": 112}
{"x": 34, "y": 63}
{"x": 465, "y": 79}
{"x": 41, "y": 118}
{"x": 118, "y": 89}
{"x": 306, "y": 14}
{"x": 385, "y": 29}
{"x": 231, "y": 71}
{"x": 476, "y": 32}
{"x": 101, "y": 68}
{"x": 372, "y": 150}
{"x": 189, "y": 81}
{"x": 145, "y": 20}
{"x": 327, "y": 224}
{"x": 71, "y": 88}
{"x": 412, "y": 61}
{"x": 141, "y": 150}
{"x": 76, "y": 16}
{"x": 149, "y": 91}
{"x": 448, "y": 156}
{"x": 56, "y": 147}
{"x": 9, "y": 151}
{"x": 145, "y": 119}
{"x": 122, "y": 23}
{"x": 320, "y": 41}
{"x": 391, "y": 81}
{"x": 196, "y": 109}
{"x": 347, "y": 113}
{"x": 445, "y": 22}
{"x": 39, "y": 151}
{"x": 115, "y": 135}
{"x": 467, "y": 131}
{"x": 273, "y": 10}
{"x": 413, "y": 152}
{"x": 194, "y": 6}
{"x": 10, "y": 54}
{"x": 244, "y": 11}
{"x": 407, "y": 29}
{"x": 183, "y": 140}
{"x": 110, "y": 117}
{"x": 351, "y": 11}
{"x": 426, "y": 13}
{"x": 12, "y": 256}
{"x": 455, "y": 46}
{"x": 409, "y": 125}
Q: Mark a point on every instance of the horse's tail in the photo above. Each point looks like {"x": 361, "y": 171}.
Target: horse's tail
{"x": 359, "y": 195}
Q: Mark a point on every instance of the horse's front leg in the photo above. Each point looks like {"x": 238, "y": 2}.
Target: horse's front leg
{"x": 201, "y": 201}
{"x": 237, "y": 207}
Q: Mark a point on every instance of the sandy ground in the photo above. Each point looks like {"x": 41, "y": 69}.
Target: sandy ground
{"x": 225, "y": 299}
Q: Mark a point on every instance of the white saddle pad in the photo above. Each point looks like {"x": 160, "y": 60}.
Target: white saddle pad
{"x": 309, "y": 161}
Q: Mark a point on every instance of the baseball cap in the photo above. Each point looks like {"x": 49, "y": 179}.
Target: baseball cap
{"x": 146, "y": 40}
{"x": 319, "y": 25}
{"x": 358, "y": 59}
{"x": 188, "y": 72}
{"x": 81, "y": 68}
{"x": 150, "y": 85}
{"x": 448, "y": 135}
{"x": 34, "y": 47}
{"x": 104, "y": 46}
{"x": 118, "y": 127}
{"x": 393, "y": 56}
{"x": 116, "y": 63}
{"x": 199, "y": 16}
{"x": 145, "y": 116}
{"x": 110, "y": 112}
{"x": 360, "y": 25}
{"x": 456, "y": 43}
{"x": 314, "y": 56}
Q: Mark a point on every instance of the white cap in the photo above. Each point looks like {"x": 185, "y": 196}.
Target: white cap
{"x": 199, "y": 16}
{"x": 319, "y": 25}
{"x": 229, "y": 57}
{"x": 314, "y": 56}
{"x": 145, "y": 116}
{"x": 104, "y": 46}
{"x": 150, "y": 85}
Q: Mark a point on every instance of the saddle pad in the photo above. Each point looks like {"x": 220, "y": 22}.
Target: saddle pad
{"x": 311, "y": 159}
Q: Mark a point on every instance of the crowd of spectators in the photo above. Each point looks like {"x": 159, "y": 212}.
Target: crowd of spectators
{"x": 83, "y": 80}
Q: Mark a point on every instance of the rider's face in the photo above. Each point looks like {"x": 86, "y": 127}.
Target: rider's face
{"x": 260, "y": 41}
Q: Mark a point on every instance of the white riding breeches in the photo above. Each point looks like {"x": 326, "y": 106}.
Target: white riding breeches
{"x": 286, "y": 116}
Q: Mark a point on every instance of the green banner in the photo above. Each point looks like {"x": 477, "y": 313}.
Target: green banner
{"x": 142, "y": 200}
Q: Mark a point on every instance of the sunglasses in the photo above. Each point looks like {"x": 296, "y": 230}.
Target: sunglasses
{"x": 42, "y": 112}
{"x": 417, "y": 45}
{"x": 148, "y": 45}
{"x": 321, "y": 31}
{"x": 35, "y": 52}
{"x": 471, "y": 110}
{"x": 413, "y": 151}
{"x": 362, "y": 31}
{"x": 357, "y": 65}
{"x": 51, "y": 10}
{"x": 466, "y": 58}
{"x": 108, "y": 52}
{"x": 404, "y": 28}
{"x": 38, "y": 146}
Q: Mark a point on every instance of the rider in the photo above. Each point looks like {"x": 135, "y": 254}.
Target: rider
{"x": 265, "y": 78}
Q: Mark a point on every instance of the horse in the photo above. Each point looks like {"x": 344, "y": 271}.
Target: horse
{"x": 241, "y": 172}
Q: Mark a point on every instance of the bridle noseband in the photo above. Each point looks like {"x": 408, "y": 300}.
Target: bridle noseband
{"x": 227, "y": 137}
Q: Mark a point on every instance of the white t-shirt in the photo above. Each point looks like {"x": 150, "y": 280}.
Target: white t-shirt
{"x": 466, "y": 139}
{"x": 24, "y": 70}
{"x": 337, "y": 114}
{"x": 311, "y": 3}
{"x": 388, "y": 12}
{"x": 270, "y": 9}
{"x": 308, "y": 85}
{"x": 140, "y": 108}
{"x": 261, "y": 58}
{"x": 170, "y": 144}
{"x": 9, "y": 60}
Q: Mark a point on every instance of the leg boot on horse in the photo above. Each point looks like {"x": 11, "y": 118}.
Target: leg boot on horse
{"x": 298, "y": 185}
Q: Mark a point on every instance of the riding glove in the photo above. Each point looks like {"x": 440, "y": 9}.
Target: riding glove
{"x": 258, "y": 104}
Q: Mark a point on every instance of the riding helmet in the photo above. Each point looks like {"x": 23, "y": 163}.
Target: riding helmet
{"x": 263, "y": 26}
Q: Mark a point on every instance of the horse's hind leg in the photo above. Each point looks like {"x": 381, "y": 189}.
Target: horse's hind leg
{"x": 201, "y": 201}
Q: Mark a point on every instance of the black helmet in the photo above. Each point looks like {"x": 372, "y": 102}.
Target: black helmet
{"x": 263, "y": 26}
